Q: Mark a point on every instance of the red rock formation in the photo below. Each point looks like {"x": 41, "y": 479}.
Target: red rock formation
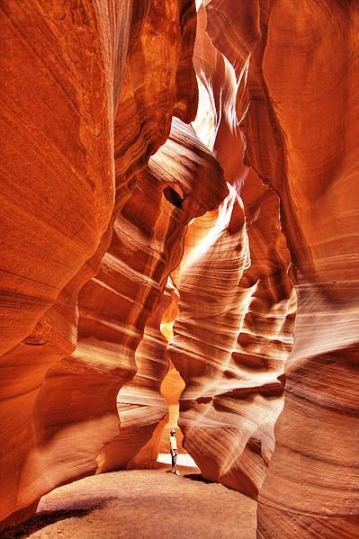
{"x": 114, "y": 308}
{"x": 300, "y": 135}
{"x": 70, "y": 141}
{"x": 147, "y": 244}
{"x": 314, "y": 464}
{"x": 143, "y": 409}
{"x": 235, "y": 325}
{"x": 171, "y": 389}
{"x": 231, "y": 338}
{"x": 140, "y": 405}
{"x": 92, "y": 226}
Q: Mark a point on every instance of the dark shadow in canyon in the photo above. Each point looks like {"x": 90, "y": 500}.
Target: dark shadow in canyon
{"x": 198, "y": 477}
{"x": 45, "y": 518}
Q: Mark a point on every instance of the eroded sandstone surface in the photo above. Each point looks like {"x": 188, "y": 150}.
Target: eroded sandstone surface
{"x": 237, "y": 303}
{"x": 83, "y": 113}
{"x": 300, "y": 133}
{"x": 133, "y": 243}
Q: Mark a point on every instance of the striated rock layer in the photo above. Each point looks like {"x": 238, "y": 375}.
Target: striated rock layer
{"x": 104, "y": 196}
{"x": 82, "y": 113}
{"x": 121, "y": 302}
{"x": 234, "y": 330}
{"x": 301, "y": 140}
{"x": 232, "y": 336}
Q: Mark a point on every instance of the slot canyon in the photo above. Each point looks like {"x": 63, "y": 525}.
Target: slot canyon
{"x": 179, "y": 227}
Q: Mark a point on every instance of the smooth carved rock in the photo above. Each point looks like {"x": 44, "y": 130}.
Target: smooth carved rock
{"x": 142, "y": 409}
{"x": 92, "y": 226}
{"x": 171, "y": 389}
{"x": 83, "y": 114}
{"x": 237, "y": 305}
{"x": 119, "y": 307}
{"x": 301, "y": 140}
{"x": 57, "y": 162}
{"x": 232, "y": 335}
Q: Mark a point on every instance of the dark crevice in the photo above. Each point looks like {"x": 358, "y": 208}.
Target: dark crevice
{"x": 173, "y": 197}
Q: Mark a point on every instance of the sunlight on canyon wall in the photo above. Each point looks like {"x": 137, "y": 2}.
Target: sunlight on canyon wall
{"x": 180, "y": 242}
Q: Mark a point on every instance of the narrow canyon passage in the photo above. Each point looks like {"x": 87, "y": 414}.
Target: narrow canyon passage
{"x": 142, "y": 504}
{"x": 179, "y": 248}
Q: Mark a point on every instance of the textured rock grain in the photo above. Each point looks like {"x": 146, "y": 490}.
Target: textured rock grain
{"x": 237, "y": 304}
{"x": 106, "y": 191}
{"x": 300, "y": 137}
{"x": 83, "y": 113}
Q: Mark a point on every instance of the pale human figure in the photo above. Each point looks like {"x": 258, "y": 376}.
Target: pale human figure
{"x": 173, "y": 451}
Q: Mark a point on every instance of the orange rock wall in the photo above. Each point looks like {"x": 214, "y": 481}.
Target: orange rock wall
{"x": 300, "y": 138}
{"x": 121, "y": 304}
{"x": 83, "y": 114}
{"x": 237, "y": 303}
{"x": 104, "y": 195}
{"x": 232, "y": 335}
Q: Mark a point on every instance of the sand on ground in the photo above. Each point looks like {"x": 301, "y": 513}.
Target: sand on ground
{"x": 142, "y": 504}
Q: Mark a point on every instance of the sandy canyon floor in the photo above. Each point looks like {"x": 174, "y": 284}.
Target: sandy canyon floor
{"x": 138, "y": 504}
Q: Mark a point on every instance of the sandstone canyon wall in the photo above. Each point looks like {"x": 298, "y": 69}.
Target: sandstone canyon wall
{"x": 106, "y": 191}
{"x": 237, "y": 304}
{"x": 83, "y": 114}
{"x": 300, "y": 132}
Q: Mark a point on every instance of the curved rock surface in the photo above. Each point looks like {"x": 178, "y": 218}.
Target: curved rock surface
{"x": 237, "y": 304}
{"x": 120, "y": 305}
{"x": 104, "y": 196}
{"x": 300, "y": 139}
{"x": 232, "y": 336}
{"x": 78, "y": 97}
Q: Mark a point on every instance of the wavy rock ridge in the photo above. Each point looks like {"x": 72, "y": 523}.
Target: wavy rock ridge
{"x": 79, "y": 129}
{"x": 119, "y": 218}
{"x": 234, "y": 287}
{"x": 300, "y": 132}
